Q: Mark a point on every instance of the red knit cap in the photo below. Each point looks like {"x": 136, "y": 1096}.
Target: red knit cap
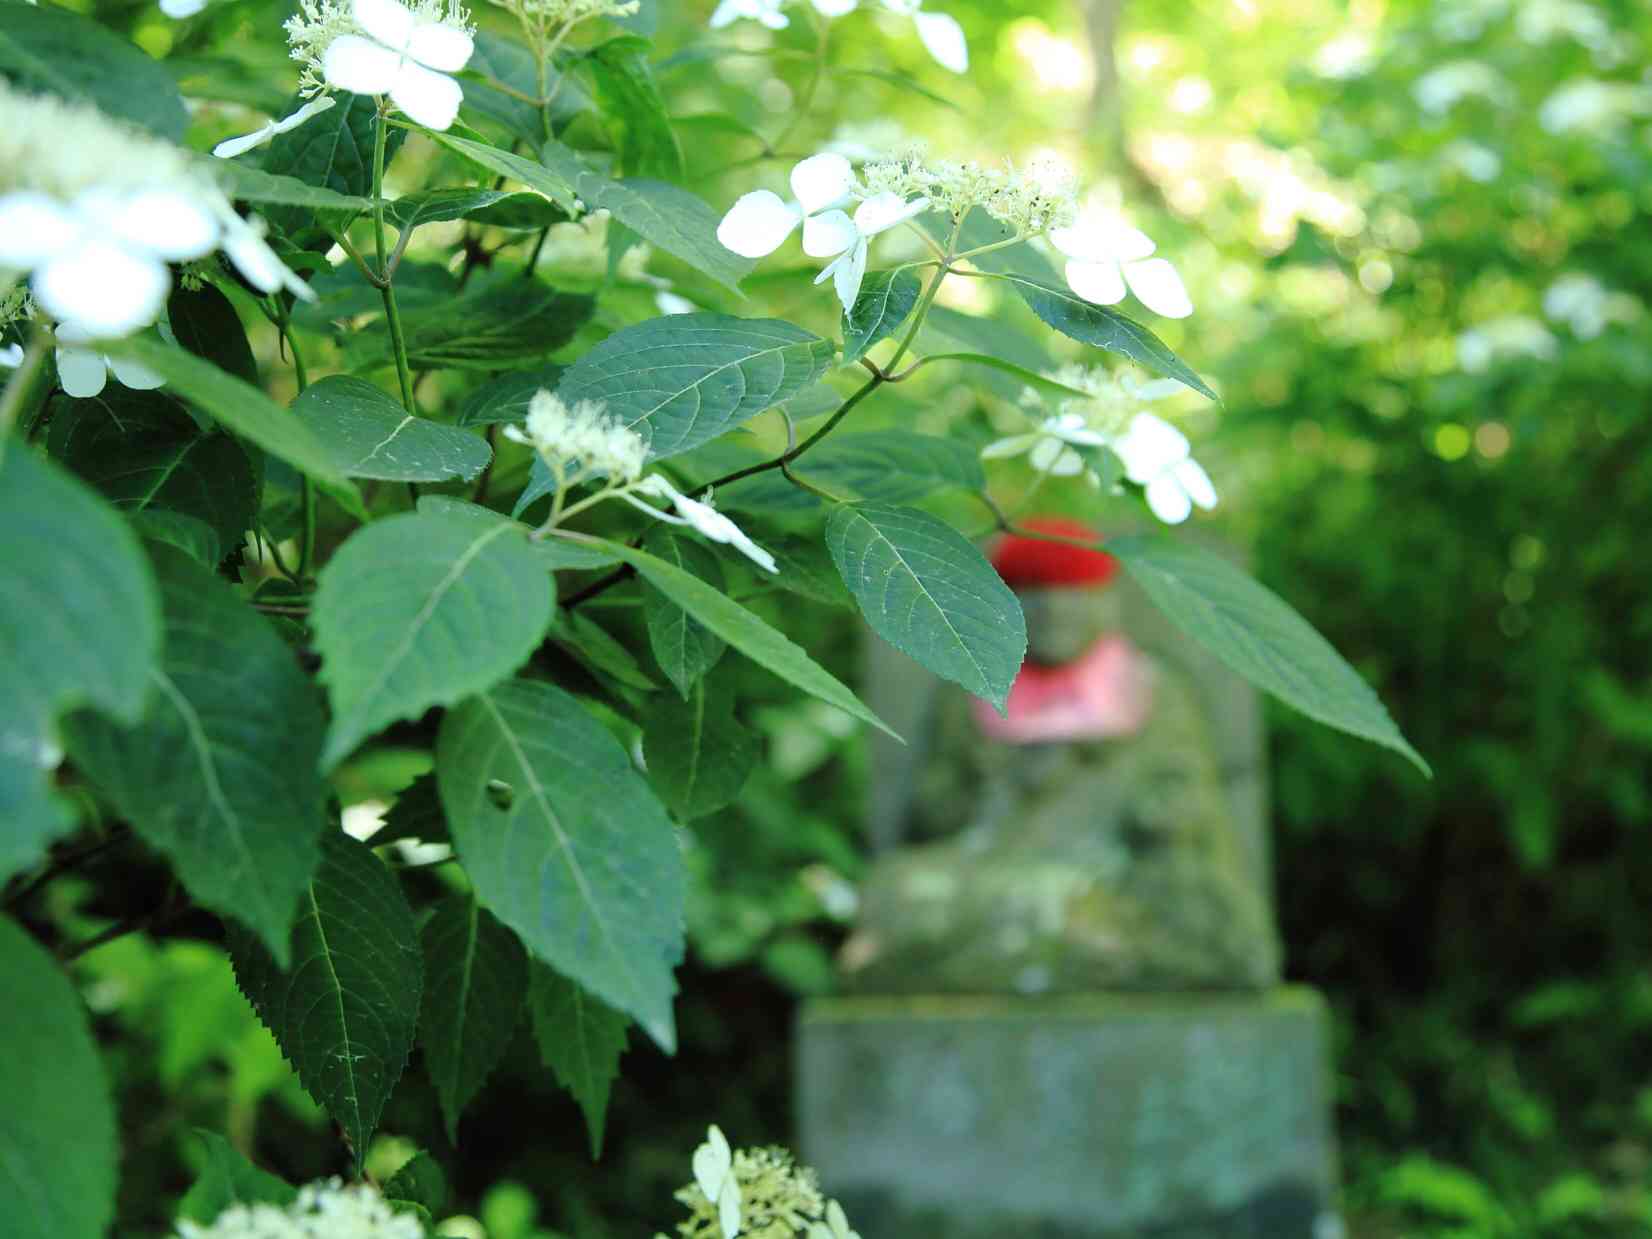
{"x": 1035, "y": 562}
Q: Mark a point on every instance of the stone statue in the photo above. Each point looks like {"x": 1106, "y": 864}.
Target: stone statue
{"x": 1105, "y": 835}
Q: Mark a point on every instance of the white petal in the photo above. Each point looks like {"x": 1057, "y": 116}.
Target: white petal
{"x": 1168, "y": 500}
{"x": 166, "y": 223}
{"x": 944, "y": 38}
{"x": 439, "y": 46}
{"x": 1150, "y": 447}
{"x": 758, "y": 224}
{"x": 672, "y": 303}
{"x": 851, "y": 270}
{"x": 81, "y": 372}
{"x": 388, "y": 21}
{"x": 713, "y": 1159}
{"x": 1072, "y": 428}
{"x": 906, "y": 8}
{"x": 1012, "y": 446}
{"x": 360, "y": 65}
{"x": 34, "y": 228}
{"x": 1158, "y": 287}
{"x": 835, "y": 8}
{"x": 1190, "y": 475}
{"x": 103, "y": 287}
{"x": 728, "y": 1204}
{"x": 1157, "y": 389}
{"x": 1098, "y": 282}
{"x": 1055, "y": 457}
{"x": 727, "y": 13}
{"x": 244, "y": 247}
{"x": 881, "y": 212}
{"x": 1074, "y": 243}
{"x": 131, "y": 374}
{"x": 229, "y": 148}
{"x": 182, "y": 8}
{"x": 828, "y": 234}
{"x": 1125, "y": 243}
{"x": 430, "y": 98}
{"x": 11, "y": 356}
{"x": 822, "y": 181}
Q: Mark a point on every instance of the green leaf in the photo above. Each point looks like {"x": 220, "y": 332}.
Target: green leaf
{"x": 580, "y": 1039}
{"x": 245, "y": 183}
{"x": 512, "y": 320}
{"x": 806, "y": 569}
{"x": 684, "y": 379}
{"x": 506, "y": 397}
{"x": 699, "y": 755}
{"x": 741, "y": 629}
{"x": 57, "y": 1127}
{"x": 927, "y": 590}
{"x": 501, "y": 59}
{"x": 333, "y": 150}
{"x": 475, "y": 974}
{"x": 239, "y": 407}
{"x": 553, "y": 555}
{"x": 228, "y": 1179}
{"x": 636, "y": 113}
{"x": 146, "y": 455}
{"x": 885, "y": 302}
{"x": 193, "y": 537}
{"x": 893, "y": 466}
{"x": 566, "y": 844}
{"x": 204, "y": 322}
{"x": 49, "y": 50}
{"x": 670, "y": 218}
{"x": 420, "y": 1181}
{"x": 420, "y": 610}
{"x": 682, "y": 646}
{"x": 1030, "y": 377}
{"x": 417, "y": 814}
{"x": 80, "y": 625}
{"x": 1257, "y": 634}
{"x": 370, "y": 435}
{"x": 535, "y": 176}
{"x": 591, "y": 643}
{"x": 431, "y": 206}
{"x": 220, "y": 774}
{"x": 1104, "y": 328}
{"x": 344, "y": 1014}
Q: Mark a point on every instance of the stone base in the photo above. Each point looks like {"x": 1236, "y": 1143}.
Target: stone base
{"x": 1192, "y": 1116}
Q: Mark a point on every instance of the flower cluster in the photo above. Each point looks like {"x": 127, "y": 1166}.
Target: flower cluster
{"x": 94, "y": 210}
{"x": 1155, "y": 455}
{"x": 823, "y": 185}
{"x": 325, "y": 1210}
{"x": 756, "y": 1194}
{"x": 554, "y": 13}
{"x": 383, "y": 47}
{"x": 1029, "y": 201}
{"x": 941, "y": 35}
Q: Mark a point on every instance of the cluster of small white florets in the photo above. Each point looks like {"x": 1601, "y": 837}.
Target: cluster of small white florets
{"x": 326, "y": 1210}
{"x": 63, "y": 149}
{"x": 563, "y": 13}
{"x": 318, "y": 23}
{"x": 756, "y": 1194}
{"x": 580, "y": 441}
{"x": 1027, "y": 200}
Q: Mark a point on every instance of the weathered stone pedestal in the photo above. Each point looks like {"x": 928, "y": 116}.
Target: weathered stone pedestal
{"x": 1175, "y": 1116}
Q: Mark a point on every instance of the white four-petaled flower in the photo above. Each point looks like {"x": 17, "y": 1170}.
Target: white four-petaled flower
{"x": 848, "y": 237}
{"x": 714, "y": 1172}
{"x": 402, "y": 56}
{"x": 1158, "y": 457}
{"x": 711, "y": 523}
{"x": 82, "y": 372}
{"x": 1050, "y": 447}
{"x": 941, "y": 35}
{"x": 1105, "y": 256}
{"x": 836, "y": 1225}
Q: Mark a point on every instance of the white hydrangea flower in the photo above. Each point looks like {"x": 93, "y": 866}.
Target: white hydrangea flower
{"x": 941, "y": 35}
{"x": 1500, "y": 339}
{"x": 708, "y": 521}
{"x": 1589, "y": 106}
{"x": 231, "y": 147}
{"x": 180, "y": 9}
{"x": 668, "y": 302}
{"x": 1445, "y": 86}
{"x": 1028, "y": 200}
{"x": 93, "y": 211}
{"x": 836, "y": 1225}
{"x": 82, "y": 372}
{"x": 849, "y": 237}
{"x": 1158, "y": 457}
{"x": 759, "y": 222}
{"x": 1049, "y": 449}
{"x": 1105, "y": 256}
{"x": 405, "y": 54}
{"x": 325, "y": 1210}
{"x": 714, "y": 1161}
{"x": 582, "y": 439}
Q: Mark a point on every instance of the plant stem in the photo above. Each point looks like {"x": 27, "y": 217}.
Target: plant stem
{"x": 17, "y": 389}
{"x": 392, "y": 316}
{"x": 306, "y": 540}
{"x": 70, "y": 862}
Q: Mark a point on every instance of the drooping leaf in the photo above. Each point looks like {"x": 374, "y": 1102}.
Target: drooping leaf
{"x": 1021, "y": 374}
{"x": 57, "y": 1127}
{"x": 699, "y": 755}
{"x": 747, "y": 633}
{"x": 205, "y": 322}
{"x": 344, "y": 1014}
{"x": 684, "y": 379}
{"x": 580, "y": 1039}
{"x": 476, "y": 974}
{"x": 192, "y": 536}
{"x": 416, "y": 814}
{"x": 226, "y": 1178}
{"x": 631, "y": 100}
{"x": 594, "y": 646}
{"x": 420, "y": 1181}
{"x": 420, "y": 610}
{"x": 566, "y": 844}
{"x": 220, "y": 773}
{"x": 509, "y": 321}
{"x": 505, "y": 398}
{"x": 370, "y": 435}
{"x": 50, "y": 50}
{"x": 1257, "y": 634}
{"x": 683, "y": 647}
{"x": 535, "y": 176}
{"x": 245, "y": 183}
{"x": 930, "y": 593}
{"x": 665, "y": 216}
{"x": 886, "y": 300}
{"x": 239, "y": 406}
{"x": 334, "y": 151}
{"x": 80, "y": 625}
{"x": 145, "y": 454}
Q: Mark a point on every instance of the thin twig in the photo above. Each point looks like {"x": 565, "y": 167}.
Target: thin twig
{"x": 68, "y": 863}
